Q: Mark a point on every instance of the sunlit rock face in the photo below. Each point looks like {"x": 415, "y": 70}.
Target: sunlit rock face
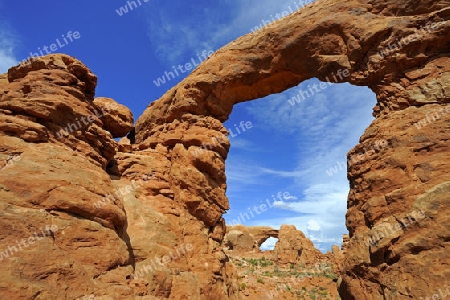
{"x": 147, "y": 222}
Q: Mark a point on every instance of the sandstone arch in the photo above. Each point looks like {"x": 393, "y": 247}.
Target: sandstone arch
{"x": 318, "y": 41}
{"x": 248, "y": 238}
{"x": 184, "y": 202}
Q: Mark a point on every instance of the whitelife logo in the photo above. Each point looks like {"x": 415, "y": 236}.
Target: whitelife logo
{"x": 322, "y": 85}
{"x": 156, "y": 262}
{"x": 124, "y": 9}
{"x": 357, "y": 158}
{"x": 10, "y": 160}
{"x": 215, "y": 141}
{"x": 187, "y": 67}
{"x": 279, "y": 16}
{"x": 262, "y": 207}
{"x": 71, "y": 127}
{"x": 31, "y": 240}
{"x": 71, "y": 36}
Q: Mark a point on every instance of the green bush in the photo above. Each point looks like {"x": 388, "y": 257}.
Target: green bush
{"x": 266, "y": 263}
{"x": 253, "y": 262}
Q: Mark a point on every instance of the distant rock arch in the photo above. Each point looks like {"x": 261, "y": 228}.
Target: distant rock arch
{"x": 247, "y": 238}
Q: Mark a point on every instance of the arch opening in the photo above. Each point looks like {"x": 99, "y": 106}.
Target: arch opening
{"x": 268, "y": 244}
{"x": 288, "y": 158}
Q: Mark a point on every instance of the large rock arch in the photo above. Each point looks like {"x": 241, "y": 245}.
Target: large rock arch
{"x": 398, "y": 195}
{"x": 411, "y": 82}
{"x": 247, "y": 238}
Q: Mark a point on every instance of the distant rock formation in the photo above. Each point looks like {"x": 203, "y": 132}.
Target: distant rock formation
{"x": 247, "y": 238}
{"x": 147, "y": 222}
{"x": 345, "y": 241}
{"x": 293, "y": 247}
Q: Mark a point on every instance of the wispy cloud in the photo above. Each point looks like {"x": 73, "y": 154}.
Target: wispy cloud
{"x": 287, "y": 174}
{"x": 323, "y": 128}
{"x": 7, "y": 60}
{"x": 326, "y": 126}
{"x": 240, "y": 143}
{"x": 175, "y": 39}
{"x": 8, "y": 42}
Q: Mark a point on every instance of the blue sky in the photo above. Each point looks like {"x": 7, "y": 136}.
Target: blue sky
{"x": 288, "y": 148}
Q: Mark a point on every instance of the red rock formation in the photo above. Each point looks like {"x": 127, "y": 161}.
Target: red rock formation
{"x": 247, "y": 238}
{"x": 345, "y": 241}
{"x": 120, "y": 235}
{"x": 55, "y": 184}
{"x": 410, "y": 82}
{"x": 118, "y": 119}
{"x": 293, "y": 247}
{"x": 56, "y": 179}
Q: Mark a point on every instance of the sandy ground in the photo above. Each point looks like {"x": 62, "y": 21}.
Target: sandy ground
{"x": 260, "y": 278}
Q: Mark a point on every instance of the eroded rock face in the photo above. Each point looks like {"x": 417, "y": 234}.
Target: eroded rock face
{"x": 293, "y": 247}
{"x": 102, "y": 222}
{"x": 118, "y": 119}
{"x": 50, "y": 230}
{"x": 398, "y": 208}
{"x": 51, "y": 100}
{"x": 167, "y": 192}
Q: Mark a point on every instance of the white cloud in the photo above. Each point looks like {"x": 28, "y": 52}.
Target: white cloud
{"x": 325, "y": 126}
{"x": 288, "y": 198}
{"x": 287, "y": 174}
{"x": 322, "y": 205}
{"x": 7, "y": 60}
{"x": 269, "y": 244}
{"x": 8, "y": 42}
{"x": 240, "y": 143}
{"x": 313, "y": 225}
{"x": 206, "y": 28}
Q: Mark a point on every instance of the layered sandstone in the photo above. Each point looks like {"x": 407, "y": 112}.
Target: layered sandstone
{"x": 50, "y": 230}
{"x": 76, "y": 211}
{"x": 169, "y": 183}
